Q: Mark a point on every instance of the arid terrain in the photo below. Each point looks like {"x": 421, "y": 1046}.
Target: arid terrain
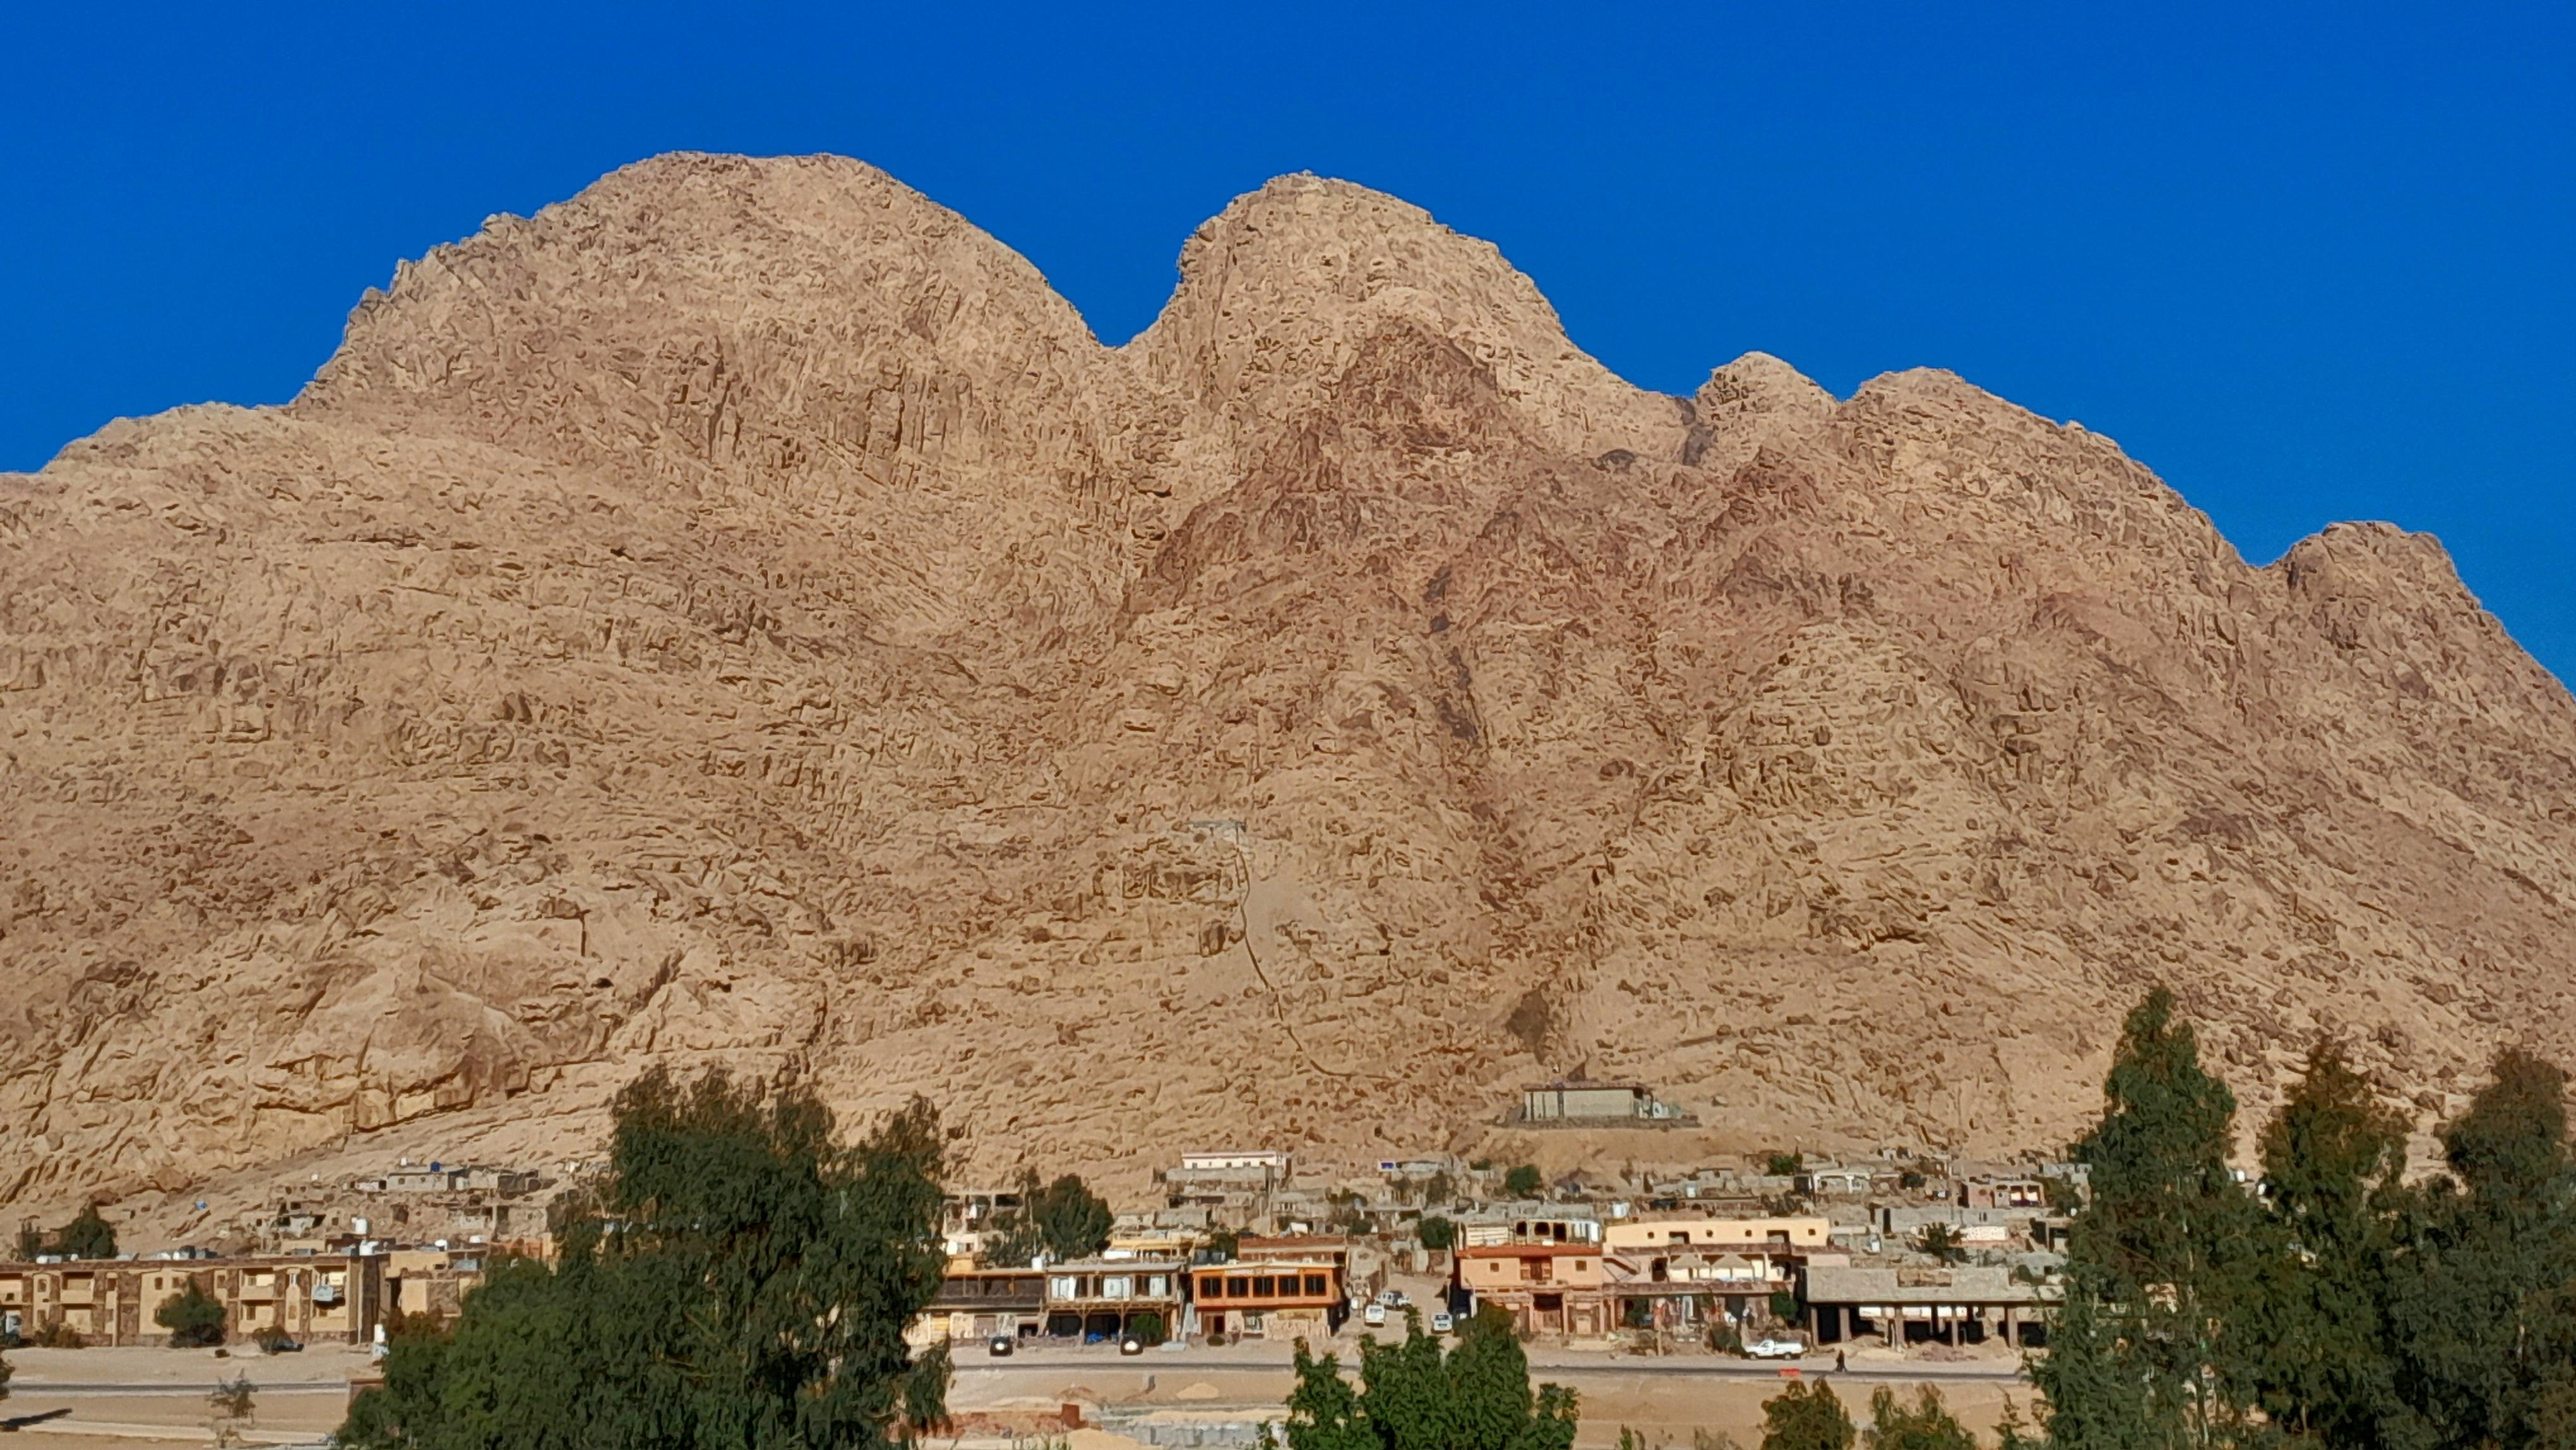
{"x": 741, "y": 614}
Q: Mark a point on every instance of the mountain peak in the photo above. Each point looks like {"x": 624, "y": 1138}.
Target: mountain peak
{"x": 740, "y": 615}
{"x": 1280, "y": 288}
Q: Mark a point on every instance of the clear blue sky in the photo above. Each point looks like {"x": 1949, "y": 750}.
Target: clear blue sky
{"x": 2309, "y": 263}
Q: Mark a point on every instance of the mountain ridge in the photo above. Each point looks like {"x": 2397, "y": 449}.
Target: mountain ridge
{"x": 743, "y": 614}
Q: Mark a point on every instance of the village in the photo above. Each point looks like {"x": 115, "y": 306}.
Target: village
{"x": 1905, "y": 1252}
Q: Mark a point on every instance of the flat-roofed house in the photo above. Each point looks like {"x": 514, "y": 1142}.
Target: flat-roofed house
{"x": 1107, "y": 1298}
{"x": 1999, "y": 1191}
{"x": 983, "y": 1303}
{"x": 1682, "y": 1288}
{"x": 1787, "y": 1234}
{"x": 315, "y": 1298}
{"x": 1547, "y": 1288}
{"x": 1580, "y": 1101}
{"x": 1961, "y": 1305}
{"x": 1333, "y": 1248}
{"x": 1279, "y": 1299}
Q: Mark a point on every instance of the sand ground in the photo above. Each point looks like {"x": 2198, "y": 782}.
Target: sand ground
{"x": 152, "y": 1395}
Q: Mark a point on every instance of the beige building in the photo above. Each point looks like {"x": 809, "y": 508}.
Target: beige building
{"x": 317, "y": 1297}
{"x": 1802, "y": 1234}
{"x": 1680, "y": 1289}
{"x": 1952, "y": 1306}
{"x": 1580, "y": 1101}
{"x": 1105, "y": 1298}
{"x": 1546, "y": 1288}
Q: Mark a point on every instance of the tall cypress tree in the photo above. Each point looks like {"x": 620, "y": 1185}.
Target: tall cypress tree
{"x": 2319, "y": 1326}
{"x": 2165, "y": 1256}
{"x": 2480, "y": 1300}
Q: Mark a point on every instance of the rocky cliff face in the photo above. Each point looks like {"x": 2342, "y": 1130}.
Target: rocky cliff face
{"x": 741, "y": 615}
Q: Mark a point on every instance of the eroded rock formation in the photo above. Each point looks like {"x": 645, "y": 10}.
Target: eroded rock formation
{"x": 741, "y": 614}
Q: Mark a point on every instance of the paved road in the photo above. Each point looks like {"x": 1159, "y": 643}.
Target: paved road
{"x": 26, "y": 1389}
{"x": 1057, "y": 1367}
{"x": 1060, "y": 1363}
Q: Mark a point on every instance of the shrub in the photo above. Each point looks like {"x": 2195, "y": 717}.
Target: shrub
{"x": 1436, "y": 1232}
{"x": 1523, "y": 1181}
{"x": 1806, "y": 1416}
{"x": 194, "y": 1318}
{"x": 1786, "y": 1165}
{"x": 55, "y": 1334}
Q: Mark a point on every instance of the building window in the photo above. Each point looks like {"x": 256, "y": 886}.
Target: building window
{"x": 1263, "y": 1286}
{"x": 1237, "y": 1288}
{"x": 1315, "y": 1285}
{"x": 1211, "y": 1287}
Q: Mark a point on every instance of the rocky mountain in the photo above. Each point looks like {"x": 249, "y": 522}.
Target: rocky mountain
{"x": 741, "y": 614}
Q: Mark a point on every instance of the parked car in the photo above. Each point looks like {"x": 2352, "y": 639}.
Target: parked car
{"x": 1392, "y": 1298}
{"x": 999, "y": 1346}
{"x": 1775, "y": 1349}
{"x": 1441, "y": 1323}
{"x": 1373, "y": 1315}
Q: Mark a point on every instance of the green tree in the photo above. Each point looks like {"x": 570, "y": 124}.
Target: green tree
{"x": 31, "y": 1242}
{"x": 1927, "y": 1425}
{"x": 1440, "y": 1189}
{"x": 2317, "y": 1325}
{"x": 87, "y": 1236}
{"x": 741, "y": 1281}
{"x": 2477, "y": 1297}
{"x": 1224, "y": 1243}
{"x": 1064, "y": 1220}
{"x": 1808, "y": 1415}
{"x": 1523, "y": 1181}
{"x": 1941, "y": 1241}
{"x": 2166, "y": 1253}
{"x": 1413, "y": 1395}
{"x": 1786, "y": 1165}
{"x": 194, "y": 1317}
{"x": 1436, "y": 1232}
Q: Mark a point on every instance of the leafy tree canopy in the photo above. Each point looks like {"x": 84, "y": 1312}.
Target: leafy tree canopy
{"x": 1414, "y": 1395}
{"x": 1808, "y": 1415}
{"x": 1926, "y": 1425}
{"x": 1436, "y": 1232}
{"x": 194, "y": 1317}
{"x": 741, "y": 1281}
{"x": 2344, "y": 1309}
{"x": 1064, "y": 1220}
{"x": 1523, "y": 1181}
{"x": 87, "y": 1236}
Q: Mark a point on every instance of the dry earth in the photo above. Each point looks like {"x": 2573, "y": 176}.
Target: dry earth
{"x": 742, "y": 615}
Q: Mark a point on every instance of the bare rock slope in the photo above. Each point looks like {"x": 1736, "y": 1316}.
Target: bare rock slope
{"x": 741, "y": 614}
